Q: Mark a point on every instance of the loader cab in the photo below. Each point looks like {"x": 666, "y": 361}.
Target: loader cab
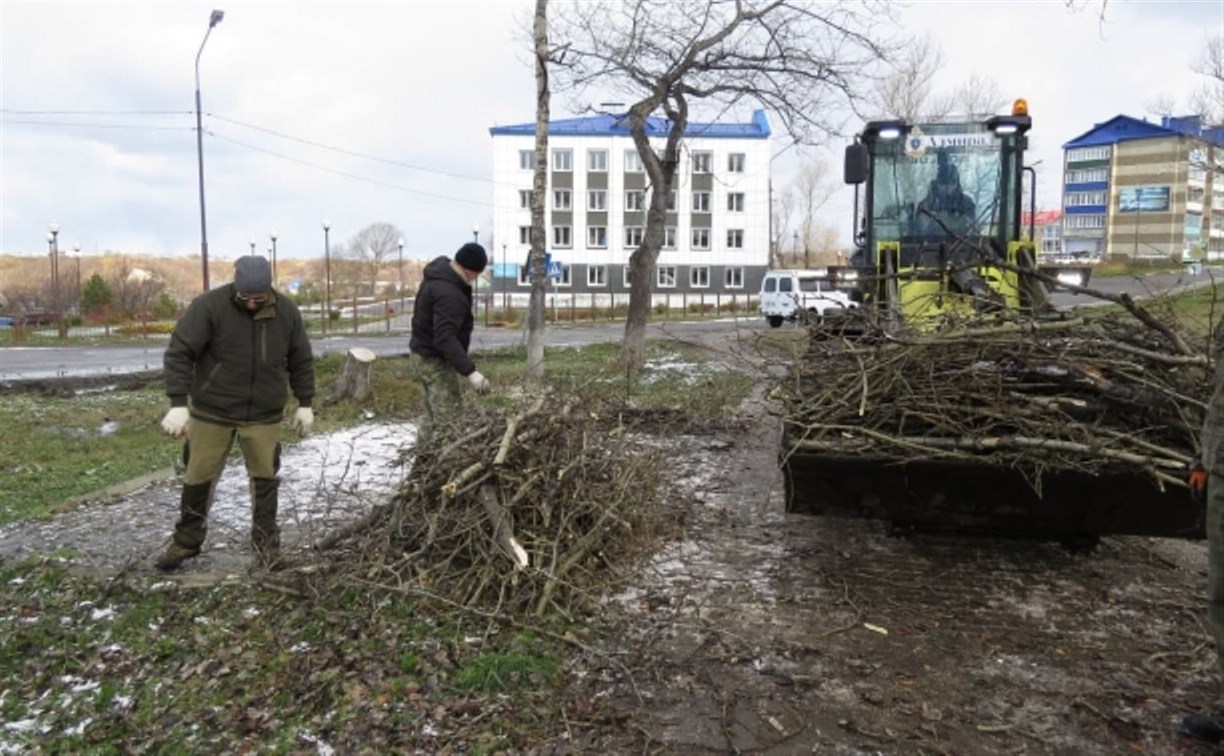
{"x": 936, "y": 205}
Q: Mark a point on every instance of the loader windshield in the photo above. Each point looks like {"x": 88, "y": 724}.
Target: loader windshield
{"x": 938, "y": 182}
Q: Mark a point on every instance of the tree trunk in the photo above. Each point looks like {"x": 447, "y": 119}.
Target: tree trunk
{"x": 354, "y": 381}
{"x": 536, "y": 272}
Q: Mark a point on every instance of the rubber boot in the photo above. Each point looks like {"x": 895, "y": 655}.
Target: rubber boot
{"x": 191, "y": 528}
{"x": 265, "y": 534}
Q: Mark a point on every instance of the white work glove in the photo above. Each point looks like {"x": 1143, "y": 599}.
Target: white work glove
{"x": 479, "y": 382}
{"x": 175, "y": 421}
{"x": 302, "y": 420}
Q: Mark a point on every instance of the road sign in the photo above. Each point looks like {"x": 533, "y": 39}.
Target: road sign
{"x": 554, "y": 269}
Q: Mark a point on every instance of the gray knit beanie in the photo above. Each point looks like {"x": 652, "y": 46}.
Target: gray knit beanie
{"x": 252, "y": 275}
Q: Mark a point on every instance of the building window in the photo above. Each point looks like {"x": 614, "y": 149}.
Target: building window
{"x": 597, "y": 199}
{"x": 666, "y": 277}
{"x": 1088, "y": 153}
{"x": 699, "y": 277}
{"x": 597, "y": 236}
{"x": 563, "y": 161}
{"x": 634, "y": 236}
{"x": 633, "y": 161}
{"x": 701, "y": 238}
{"x": 702, "y": 162}
{"x": 524, "y": 234}
{"x": 597, "y": 275}
{"x": 524, "y": 275}
{"x": 671, "y": 201}
{"x": 735, "y": 238}
{"x": 526, "y": 160}
{"x": 735, "y": 162}
{"x": 635, "y": 200}
{"x": 561, "y": 199}
{"x": 524, "y": 199}
{"x": 1079, "y": 199}
{"x": 562, "y": 236}
{"x": 597, "y": 161}
{"x": 701, "y": 202}
{"x": 1084, "y": 221}
{"x": 669, "y": 237}
{"x": 735, "y": 202}
{"x": 733, "y": 278}
{"x": 1087, "y": 176}
{"x": 625, "y": 277}
{"x": 564, "y": 280}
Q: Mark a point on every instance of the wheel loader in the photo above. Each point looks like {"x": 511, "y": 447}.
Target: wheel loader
{"x": 999, "y": 416}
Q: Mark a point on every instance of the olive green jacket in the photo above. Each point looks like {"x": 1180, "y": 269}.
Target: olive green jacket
{"x": 237, "y": 366}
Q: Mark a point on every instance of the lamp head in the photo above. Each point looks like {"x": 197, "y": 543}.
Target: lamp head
{"x": 215, "y": 17}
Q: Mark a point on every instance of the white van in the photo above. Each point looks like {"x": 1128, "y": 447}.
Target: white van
{"x": 804, "y": 295}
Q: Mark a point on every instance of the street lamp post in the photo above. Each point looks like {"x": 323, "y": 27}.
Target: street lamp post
{"x": 213, "y": 19}
{"x": 795, "y": 245}
{"x": 326, "y": 275}
{"x": 476, "y": 281}
{"x": 401, "y": 277}
{"x": 76, "y": 251}
{"x": 504, "y": 260}
{"x": 272, "y": 236}
{"x": 53, "y": 245}
{"x": 252, "y": 246}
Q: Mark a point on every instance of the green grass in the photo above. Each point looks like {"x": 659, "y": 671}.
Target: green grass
{"x": 55, "y": 452}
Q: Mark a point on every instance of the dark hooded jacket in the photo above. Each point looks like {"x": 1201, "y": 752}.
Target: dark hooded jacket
{"x": 233, "y": 363}
{"x": 442, "y": 317}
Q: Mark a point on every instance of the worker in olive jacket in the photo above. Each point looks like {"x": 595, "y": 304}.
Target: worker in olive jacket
{"x": 442, "y": 323}
{"x": 233, "y": 357}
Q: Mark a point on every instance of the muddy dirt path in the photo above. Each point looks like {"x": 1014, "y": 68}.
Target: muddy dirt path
{"x": 764, "y": 632}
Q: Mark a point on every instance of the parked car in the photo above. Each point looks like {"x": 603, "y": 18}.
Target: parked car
{"x": 804, "y": 295}
{"x": 36, "y": 319}
{"x": 6, "y": 322}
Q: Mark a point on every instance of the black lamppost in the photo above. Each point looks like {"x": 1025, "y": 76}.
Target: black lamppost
{"x": 213, "y": 19}
{"x": 53, "y": 249}
{"x": 272, "y": 236}
{"x": 326, "y": 275}
{"x": 401, "y": 276}
{"x": 795, "y": 245}
{"x": 476, "y": 281}
{"x": 76, "y": 250}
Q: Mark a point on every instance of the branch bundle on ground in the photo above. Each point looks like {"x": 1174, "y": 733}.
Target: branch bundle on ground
{"x": 1090, "y": 396}
{"x": 567, "y": 489}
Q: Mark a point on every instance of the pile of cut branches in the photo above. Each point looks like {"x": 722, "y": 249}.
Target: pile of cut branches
{"x": 531, "y": 513}
{"x": 1085, "y": 395}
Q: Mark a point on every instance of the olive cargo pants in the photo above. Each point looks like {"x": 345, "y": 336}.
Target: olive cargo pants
{"x": 208, "y": 445}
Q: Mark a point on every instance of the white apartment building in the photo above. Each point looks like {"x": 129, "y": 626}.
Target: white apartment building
{"x": 717, "y": 231}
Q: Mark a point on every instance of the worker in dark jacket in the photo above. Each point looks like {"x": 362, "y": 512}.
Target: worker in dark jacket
{"x": 1207, "y": 482}
{"x": 226, "y": 369}
{"x": 441, "y": 332}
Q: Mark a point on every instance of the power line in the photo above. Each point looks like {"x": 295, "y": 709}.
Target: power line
{"x": 344, "y": 173}
{"x": 344, "y": 151}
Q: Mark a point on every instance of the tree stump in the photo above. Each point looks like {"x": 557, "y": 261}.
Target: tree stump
{"x": 354, "y": 381}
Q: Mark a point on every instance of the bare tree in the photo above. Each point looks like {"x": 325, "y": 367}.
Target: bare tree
{"x": 978, "y": 97}
{"x": 535, "y": 264}
{"x": 372, "y": 248}
{"x": 804, "y": 61}
{"x": 1208, "y": 100}
{"x": 812, "y": 189}
{"x": 782, "y": 209}
{"x": 907, "y": 91}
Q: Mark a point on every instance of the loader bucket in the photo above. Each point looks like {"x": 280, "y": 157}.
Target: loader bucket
{"x": 974, "y": 497}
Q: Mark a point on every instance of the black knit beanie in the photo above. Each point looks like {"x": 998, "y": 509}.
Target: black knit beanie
{"x": 472, "y": 256}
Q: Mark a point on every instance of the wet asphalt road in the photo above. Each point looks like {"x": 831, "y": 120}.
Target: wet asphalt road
{"x": 19, "y": 363}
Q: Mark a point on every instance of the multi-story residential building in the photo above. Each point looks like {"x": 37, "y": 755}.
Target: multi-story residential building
{"x": 716, "y": 239}
{"x": 1046, "y": 231}
{"x": 1138, "y": 189}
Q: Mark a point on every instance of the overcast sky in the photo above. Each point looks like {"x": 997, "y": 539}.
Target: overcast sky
{"x": 363, "y": 112}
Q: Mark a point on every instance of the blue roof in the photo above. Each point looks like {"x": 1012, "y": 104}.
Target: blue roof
{"x": 609, "y": 125}
{"x": 1122, "y": 128}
